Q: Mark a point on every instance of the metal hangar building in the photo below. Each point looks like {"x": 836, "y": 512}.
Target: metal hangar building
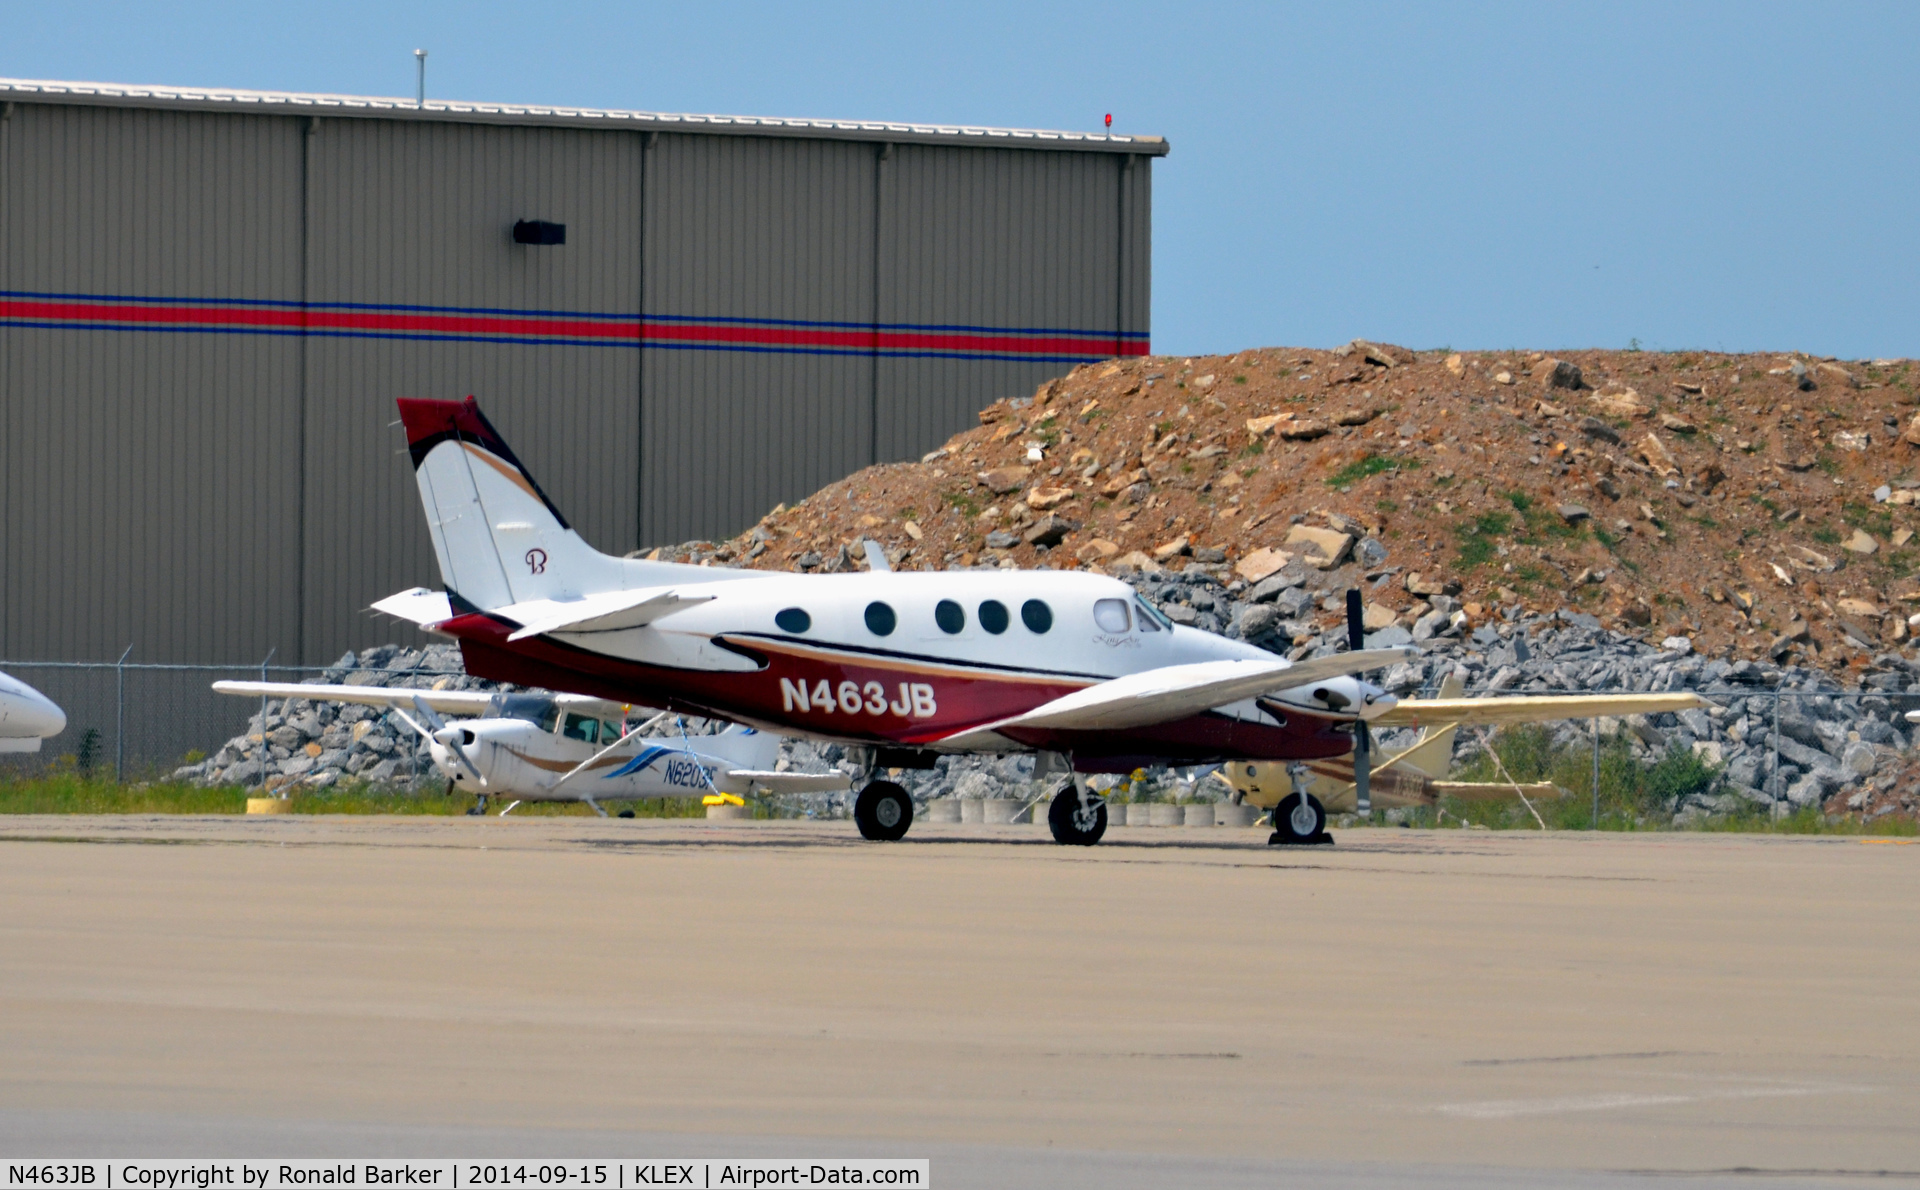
{"x": 209, "y": 300}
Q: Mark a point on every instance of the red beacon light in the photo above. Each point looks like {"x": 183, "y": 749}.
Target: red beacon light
{"x": 1109, "y": 121}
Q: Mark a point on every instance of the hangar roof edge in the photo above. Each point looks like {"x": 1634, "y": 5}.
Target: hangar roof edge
{"x": 222, "y": 99}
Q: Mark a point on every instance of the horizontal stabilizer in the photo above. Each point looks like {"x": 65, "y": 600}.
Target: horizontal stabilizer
{"x": 1531, "y": 708}
{"x": 1496, "y": 791}
{"x": 740, "y": 780}
{"x": 607, "y": 611}
{"x": 419, "y": 606}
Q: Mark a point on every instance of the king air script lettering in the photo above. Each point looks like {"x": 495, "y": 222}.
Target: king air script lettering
{"x": 913, "y": 700}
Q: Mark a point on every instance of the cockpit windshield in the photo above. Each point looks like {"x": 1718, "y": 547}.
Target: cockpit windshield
{"x": 1149, "y": 617}
{"x": 537, "y": 709}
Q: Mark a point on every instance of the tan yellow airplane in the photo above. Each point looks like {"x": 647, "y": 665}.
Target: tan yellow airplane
{"x": 1301, "y": 795}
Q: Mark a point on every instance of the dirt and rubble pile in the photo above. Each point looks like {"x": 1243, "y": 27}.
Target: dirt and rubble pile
{"x": 1762, "y": 506}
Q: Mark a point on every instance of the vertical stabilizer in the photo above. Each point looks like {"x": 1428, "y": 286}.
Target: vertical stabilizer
{"x": 497, "y": 537}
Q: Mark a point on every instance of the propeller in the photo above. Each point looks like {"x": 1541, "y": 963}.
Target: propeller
{"x": 447, "y": 737}
{"x": 1362, "y": 734}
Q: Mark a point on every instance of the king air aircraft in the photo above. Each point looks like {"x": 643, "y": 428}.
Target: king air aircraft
{"x": 26, "y": 716}
{"x": 901, "y": 666}
{"x": 566, "y": 748}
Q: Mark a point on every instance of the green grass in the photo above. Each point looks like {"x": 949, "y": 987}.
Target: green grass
{"x": 1826, "y": 536}
{"x": 1366, "y": 467}
{"x": 961, "y": 500}
{"x": 1635, "y": 795}
{"x": 1477, "y": 544}
{"x": 74, "y": 793}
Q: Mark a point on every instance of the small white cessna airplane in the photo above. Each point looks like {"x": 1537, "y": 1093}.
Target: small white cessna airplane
{"x": 566, "y": 748}
{"x": 26, "y": 716}
{"x": 1066, "y": 664}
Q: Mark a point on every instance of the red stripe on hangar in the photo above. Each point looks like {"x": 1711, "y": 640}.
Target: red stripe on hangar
{"x": 287, "y": 318}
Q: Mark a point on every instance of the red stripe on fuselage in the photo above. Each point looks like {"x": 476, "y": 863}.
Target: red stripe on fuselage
{"x": 957, "y": 698}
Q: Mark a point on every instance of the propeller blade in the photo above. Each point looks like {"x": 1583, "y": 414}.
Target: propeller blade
{"x": 1362, "y": 766}
{"x": 1362, "y": 735}
{"x": 447, "y": 737}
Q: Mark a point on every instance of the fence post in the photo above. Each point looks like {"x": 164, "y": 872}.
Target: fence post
{"x": 1595, "y": 825}
{"x": 1775, "y": 790}
{"x": 261, "y": 754}
{"x": 120, "y": 717}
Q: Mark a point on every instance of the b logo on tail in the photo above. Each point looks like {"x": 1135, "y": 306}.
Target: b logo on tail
{"x": 536, "y": 561}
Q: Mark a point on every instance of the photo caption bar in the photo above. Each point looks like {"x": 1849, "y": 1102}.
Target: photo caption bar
{"x": 589, "y": 1174}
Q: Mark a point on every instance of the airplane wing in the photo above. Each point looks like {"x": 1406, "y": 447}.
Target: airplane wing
{"x": 1176, "y": 691}
{"x": 604, "y": 612}
{"x": 447, "y": 702}
{"x": 1533, "y": 708}
{"x": 740, "y": 780}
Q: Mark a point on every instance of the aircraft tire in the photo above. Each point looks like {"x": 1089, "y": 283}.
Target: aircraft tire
{"x": 883, "y": 812}
{"x": 1295, "y": 824}
{"x": 1060, "y": 815}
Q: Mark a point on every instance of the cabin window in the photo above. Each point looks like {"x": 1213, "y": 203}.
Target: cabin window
{"x": 950, "y": 616}
{"x": 1111, "y": 615}
{"x": 1149, "y": 617}
{"x": 880, "y": 619}
{"x": 993, "y": 616}
{"x": 582, "y": 728}
{"x": 793, "y": 619}
{"x": 610, "y": 732}
{"x": 1037, "y": 616}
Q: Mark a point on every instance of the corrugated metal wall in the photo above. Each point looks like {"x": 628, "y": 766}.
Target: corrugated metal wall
{"x": 207, "y": 469}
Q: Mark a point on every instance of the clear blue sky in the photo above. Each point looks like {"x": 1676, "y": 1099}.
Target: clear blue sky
{"x": 1731, "y": 175}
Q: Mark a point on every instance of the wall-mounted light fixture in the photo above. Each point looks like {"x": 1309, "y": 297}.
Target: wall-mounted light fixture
{"x": 535, "y": 231}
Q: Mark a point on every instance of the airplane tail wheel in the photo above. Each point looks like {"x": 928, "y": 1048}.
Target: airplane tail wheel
{"x": 1299, "y": 818}
{"x": 1074, "y": 825}
{"x": 883, "y": 812}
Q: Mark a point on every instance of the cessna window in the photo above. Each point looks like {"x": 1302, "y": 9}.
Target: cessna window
{"x": 610, "y": 732}
{"x": 1110, "y": 614}
{"x": 950, "y": 616}
{"x": 993, "y": 616}
{"x": 880, "y": 619}
{"x": 1037, "y": 616}
{"x": 793, "y": 620}
{"x": 1150, "y": 618}
{"x": 581, "y": 728}
{"x": 530, "y": 708}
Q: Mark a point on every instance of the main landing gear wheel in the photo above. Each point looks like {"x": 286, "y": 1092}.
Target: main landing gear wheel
{"x": 1073, "y": 823}
{"x": 883, "y": 812}
{"x": 1299, "y": 819}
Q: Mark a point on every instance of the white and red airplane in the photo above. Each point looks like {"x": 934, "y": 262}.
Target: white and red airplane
{"x": 1070, "y": 665}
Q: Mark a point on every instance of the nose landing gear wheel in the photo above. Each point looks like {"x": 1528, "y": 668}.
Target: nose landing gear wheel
{"x": 1074, "y": 824}
{"x": 1299, "y": 819}
{"x": 883, "y": 812}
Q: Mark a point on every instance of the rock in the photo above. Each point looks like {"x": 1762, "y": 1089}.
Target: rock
{"x": 1387, "y": 638}
{"x": 999, "y": 539}
{"x": 1180, "y": 614}
{"x": 1861, "y": 542}
{"x": 1912, "y": 433}
{"x": 1324, "y": 548}
{"x": 1211, "y": 555}
{"x": 1260, "y": 427}
{"x": 1854, "y": 440}
{"x": 1370, "y": 552}
{"x": 1293, "y": 602}
{"x": 1355, "y": 417}
{"x": 1384, "y": 354}
{"x": 1457, "y": 364}
{"x": 1657, "y": 455}
{"x": 1858, "y": 608}
{"x": 1503, "y": 377}
{"x": 1573, "y": 514}
{"x": 1625, "y": 403}
{"x": 1424, "y": 587}
{"x": 1558, "y": 373}
{"x": 1709, "y": 752}
{"x": 1802, "y": 378}
{"x": 1002, "y": 480}
{"x": 1261, "y": 563}
{"x": 1270, "y": 588}
{"x": 1832, "y": 371}
{"x": 1375, "y": 616}
{"x": 1098, "y": 548}
{"x": 1138, "y": 491}
{"x": 1599, "y": 431}
{"x": 1257, "y": 620}
{"x": 1859, "y": 758}
{"x": 1678, "y": 425}
{"x": 1138, "y": 560}
{"x": 1039, "y": 499}
{"x": 1304, "y": 430}
{"x": 1050, "y": 530}
{"x": 1679, "y": 644}
{"x": 1202, "y": 383}
{"x": 1178, "y": 547}
{"x": 1882, "y": 494}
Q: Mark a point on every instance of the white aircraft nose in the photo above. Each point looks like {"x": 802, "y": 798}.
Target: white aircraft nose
{"x": 25, "y": 712}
